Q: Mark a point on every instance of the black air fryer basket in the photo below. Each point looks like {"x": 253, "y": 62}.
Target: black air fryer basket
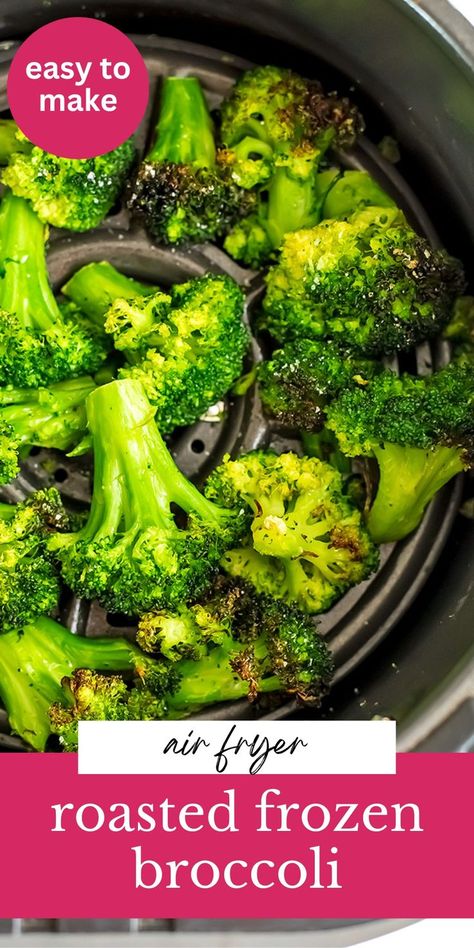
{"x": 402, "y": 641}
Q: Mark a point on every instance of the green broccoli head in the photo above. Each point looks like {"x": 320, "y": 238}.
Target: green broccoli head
{"x": 180, "y": 192}
{"x": 299, "y": 381}
{"x": 29, "y": 584}
{"x": 74, "y": 193}
{"x": 131, "y": 555}
{"x": 309, "y": 542}
{"x": 90, "y": 696}
{"x": 419, "y": 430}
{"x": 186, "y": 347}
{"x": 276, "y": 128}
{"x": 369, "y": 282}
{"x": 9, "y": 447}
{"x": 238, "y": 643}
{"x": 273, "y": 116}
{"x": 38, "y": 345}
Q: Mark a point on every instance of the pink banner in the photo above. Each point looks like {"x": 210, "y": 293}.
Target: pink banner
{"x": 242, "y": 846}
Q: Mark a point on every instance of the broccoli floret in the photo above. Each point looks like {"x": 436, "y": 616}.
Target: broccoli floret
{"x": 236, "y": 644}
{"x": 37, "y": 345}
{"x": 460, "y": 329}
{"x": 96, "y": 286}
{"x": 308, "y": 544}
{"x": 35, "y": 661}
{"x": 419, "y": 430}
{"x": 276, "y": 127}
{"x": 131, "y": 555}
{"x": 29, "y": 584}
{"x": 74, "y": 193}
{"x": 185, "y": 346}
{"x": 298, "y": 382}
{"x": 53, "y": 417}
{"x": 180, "y": 192}
{"x": 90, "y": 696}
{"x": 369, "y": 282}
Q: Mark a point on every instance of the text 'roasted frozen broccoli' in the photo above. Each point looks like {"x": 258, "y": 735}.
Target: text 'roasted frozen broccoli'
{"x": 37, "y": 344}
{"x": 74, "y": 193}
{"x": 419, "y": 430}
{"x": 180, "y": 192}
{"x": 276, "y": 128}
{"x": 307, "y": 544}
{"x": 370, "y": 282}
{"x": 131, "y": 555}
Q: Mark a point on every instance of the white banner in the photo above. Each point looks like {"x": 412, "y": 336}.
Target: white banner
{"x": 241, "y": 747}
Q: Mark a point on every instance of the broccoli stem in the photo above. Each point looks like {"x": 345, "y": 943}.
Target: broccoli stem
{"x": 34, "y": 662}
{"x": 9, "y": 143}
{"x": 95, "y": 287}
{"x": 184, "y": 133}
{"x": 409, "y": 479}
{"x": 212, "y": 679}
{"x": 135, "y": 477}
{"x": 24, "y": 286}
{"x": 292, "y": 205}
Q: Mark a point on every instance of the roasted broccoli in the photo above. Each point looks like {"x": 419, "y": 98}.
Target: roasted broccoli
{"x": 74, "y": 193}
{"x": 369, "y": 282}
{"x": 53, "y": 417}
{"x": 29, "y": 584}
{"x": 299, "y": 381}
{"x": 276, "y": 127}
{"x": 237, "y": 643}
{"x": 185, "y": 346}
{"x": 37, "y": 344}
{"x": 131, "y": 555}
{"x": 419, "y": 430}
{"x": 307, "y": 543}
{"x": 180, "y": 192}
{"x": 35, "y": 665}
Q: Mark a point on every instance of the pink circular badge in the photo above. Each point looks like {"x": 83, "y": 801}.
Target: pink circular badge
{"x": 78, "y": 87}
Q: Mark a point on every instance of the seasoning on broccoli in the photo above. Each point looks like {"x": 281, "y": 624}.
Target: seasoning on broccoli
{"x": 180, "y": 191}
{"x": 37, "y": 344}
{"x": 186, "y": 346}
{"x": 419, "y": 430}
{"x": 74, "y": 193}
{"x": 276, "y": 128}
{"x": 369, "y": 282}
{"x": 307, "y": 543}
{"x": 132, "y": 555}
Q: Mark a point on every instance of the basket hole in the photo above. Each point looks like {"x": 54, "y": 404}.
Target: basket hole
{"x": 197, "y": 446}
{"x": 34, "y": 452}
{"x": 60, "y": 475}
{"x": 118, "y": 620}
